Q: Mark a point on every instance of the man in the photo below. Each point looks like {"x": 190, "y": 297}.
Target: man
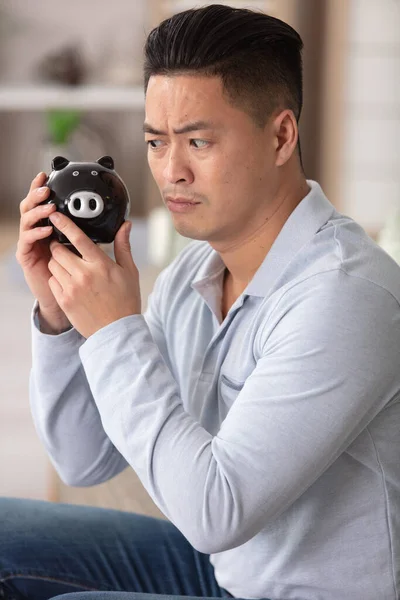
{"x": 258, "y": 397}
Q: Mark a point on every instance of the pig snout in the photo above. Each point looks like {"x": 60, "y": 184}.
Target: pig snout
{"x": 85, "y": 205}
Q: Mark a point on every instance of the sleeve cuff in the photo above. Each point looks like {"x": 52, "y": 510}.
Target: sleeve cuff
{"x": 105, "y": 334}
{"x": 70, "y": 333}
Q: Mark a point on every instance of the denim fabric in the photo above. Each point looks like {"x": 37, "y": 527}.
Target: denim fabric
{"x": 48, "y": 550}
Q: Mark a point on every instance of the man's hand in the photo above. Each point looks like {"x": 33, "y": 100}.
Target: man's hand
{"x": 33, "y": 255}
{"x": 93, "y": 290}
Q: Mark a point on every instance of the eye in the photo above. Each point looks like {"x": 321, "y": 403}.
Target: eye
{"x": 94, "y": 173}
{"x": 153, "y": 143}
{"x": 75, "y": 173}
{"x": 199, "y": 143}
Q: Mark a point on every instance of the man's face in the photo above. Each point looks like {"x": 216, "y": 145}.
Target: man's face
{"x": 204, "y": 150}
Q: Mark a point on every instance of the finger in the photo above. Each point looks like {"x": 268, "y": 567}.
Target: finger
{"x": 122, "y": 246}
{"x": 62, "y": 276}
{"x": 75, "y": 235}
{"x": 26, "y": 241}
{"x": 30, "y": 218}
{"x": 33, "y": 198}
{"x": 38, "y": 181}
{"x": 67, "y": 259}
{"x": 56, "y": 289}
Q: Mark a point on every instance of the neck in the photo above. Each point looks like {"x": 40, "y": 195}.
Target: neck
{"x": 243, "y": 257}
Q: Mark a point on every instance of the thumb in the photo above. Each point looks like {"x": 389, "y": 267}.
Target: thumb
{"x": 122, "y": 246}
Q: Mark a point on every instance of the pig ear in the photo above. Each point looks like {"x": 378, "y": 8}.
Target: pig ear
{"x": 58, "y": 163}
{"x": 106, "y": 161}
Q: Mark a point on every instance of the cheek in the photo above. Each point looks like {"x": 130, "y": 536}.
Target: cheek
{"x": 236, "y": 164}
{"x": 155, "y": 167}
{"x": 219, "y": 170}
{"x": 232, "y": 176}
{"x": 234, "y": 183}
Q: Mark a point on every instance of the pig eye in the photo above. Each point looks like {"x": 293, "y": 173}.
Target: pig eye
{"x": 75, "y": 173}
{"x": 94, "y": 173}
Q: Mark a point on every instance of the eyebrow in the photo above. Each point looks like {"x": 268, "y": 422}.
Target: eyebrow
{"x": 196, "y": 126}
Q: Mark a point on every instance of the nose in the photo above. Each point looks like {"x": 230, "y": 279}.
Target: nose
{"x": 177, "y": 168}
{"x": 85, "y": 205}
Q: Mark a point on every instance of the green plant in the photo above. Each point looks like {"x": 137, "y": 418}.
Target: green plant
{"x": 61, "y": 124}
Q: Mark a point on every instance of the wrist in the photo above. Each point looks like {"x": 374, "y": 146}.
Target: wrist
{"x": 52, "y": 322}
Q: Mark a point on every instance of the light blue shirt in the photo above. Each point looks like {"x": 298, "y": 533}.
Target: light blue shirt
{"x": 271, "y": 439}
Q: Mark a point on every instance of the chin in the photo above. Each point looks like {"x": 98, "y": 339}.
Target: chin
{"x": 191, "y": 232}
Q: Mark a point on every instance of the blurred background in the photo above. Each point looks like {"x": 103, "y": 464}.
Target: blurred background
{"x": 71, "y": 84}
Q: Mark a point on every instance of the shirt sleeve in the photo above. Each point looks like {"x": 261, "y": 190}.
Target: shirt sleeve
{"x": 65, "y": 415}
{"x": 325, "y": 369}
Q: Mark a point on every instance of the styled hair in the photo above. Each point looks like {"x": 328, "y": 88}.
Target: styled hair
{"x": 257, "y": 56}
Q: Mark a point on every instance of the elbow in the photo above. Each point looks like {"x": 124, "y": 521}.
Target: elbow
{"x": 211, "y": 532}
{"x": 212, "y": 539}
{"x": 74, "y": 479}
{"x": 209, "y": 546}
{"x": 93, "y": 474}
{"x": 212, "y": 544}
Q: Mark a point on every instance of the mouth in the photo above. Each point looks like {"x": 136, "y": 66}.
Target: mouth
{"x": 180, "y": 200}
{"x": 180, "y": 205}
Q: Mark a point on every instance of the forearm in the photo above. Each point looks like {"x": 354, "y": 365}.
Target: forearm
{"x": 173, "y": 455}
{"x": 64, "y": 413}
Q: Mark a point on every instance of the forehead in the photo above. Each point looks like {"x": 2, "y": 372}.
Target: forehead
{"x": 187, "y": 96}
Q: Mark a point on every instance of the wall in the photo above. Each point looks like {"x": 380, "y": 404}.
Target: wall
{"x": 106, "y": 36}
{"x": 370, "y": 160}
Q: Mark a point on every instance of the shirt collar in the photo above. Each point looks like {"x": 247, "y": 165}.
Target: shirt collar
{"x": 307, "y": 218}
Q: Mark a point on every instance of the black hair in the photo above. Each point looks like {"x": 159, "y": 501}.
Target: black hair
{"x": 257, "y": 56}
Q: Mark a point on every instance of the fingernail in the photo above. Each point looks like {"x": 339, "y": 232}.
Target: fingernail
{"x": 39, "y": 174}
{"x": 55, "y": 217}
{"x": 41, "y": 190}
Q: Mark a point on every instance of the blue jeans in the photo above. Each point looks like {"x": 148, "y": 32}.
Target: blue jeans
{"x": 88, "y": 553}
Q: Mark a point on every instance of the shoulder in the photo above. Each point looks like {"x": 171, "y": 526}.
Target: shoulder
{"x": 335, "y": 306}
{"x": 342, "y": 262}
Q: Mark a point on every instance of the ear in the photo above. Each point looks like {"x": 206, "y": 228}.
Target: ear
{"x": 58, "y": 163}
{"x": 286, "y": 136}
{"x": 106, "y": 161}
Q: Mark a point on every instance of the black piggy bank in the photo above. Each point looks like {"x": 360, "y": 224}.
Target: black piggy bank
{"x": 91, "y": 194}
